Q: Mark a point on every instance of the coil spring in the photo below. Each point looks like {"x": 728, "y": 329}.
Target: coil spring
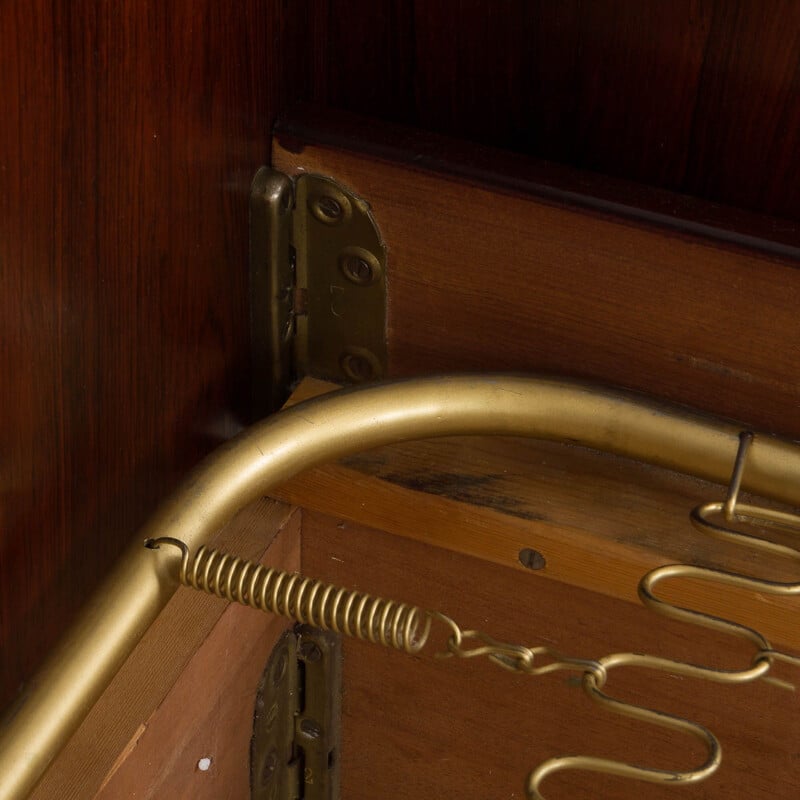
{"x": 304, "y": 600}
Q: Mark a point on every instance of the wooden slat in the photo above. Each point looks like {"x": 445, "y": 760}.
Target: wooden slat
{"x": 601, "y": 522}
{"x": 491, "y": 277}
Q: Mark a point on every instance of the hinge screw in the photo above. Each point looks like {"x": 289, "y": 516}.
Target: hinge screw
{"x": 311, "y": 728}
{"x": 359, "y": 364}
{"x": 327, "y": 209}
{"x": 310, "y": 652}
{"x": 357, "y": 269}
{"x": 360, "y": 266}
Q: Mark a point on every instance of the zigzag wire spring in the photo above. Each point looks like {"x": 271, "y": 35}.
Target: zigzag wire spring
{"x": 732, "y": 512}
{"x": 593, "y": 680}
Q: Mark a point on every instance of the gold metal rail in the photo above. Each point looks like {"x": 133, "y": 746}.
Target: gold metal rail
{"x": 330, "y": 427}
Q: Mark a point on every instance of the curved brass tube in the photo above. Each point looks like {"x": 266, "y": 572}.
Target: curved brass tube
{"x": 328, "y": 428}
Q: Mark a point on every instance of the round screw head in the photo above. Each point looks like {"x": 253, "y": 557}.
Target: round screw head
{"x": 358, "y": 270}
{"x": 327, "y": 209}
{"x": 310, "y": 651}
{"x": 359, "y": 365}
{"x": 532, "y": 559}
{"x": 357, "y": 368}
{"x": 360, "y": 266}
{"x": 311, "y": 728}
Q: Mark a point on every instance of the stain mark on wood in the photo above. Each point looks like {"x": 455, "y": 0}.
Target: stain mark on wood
{"x": 480, "y": 490}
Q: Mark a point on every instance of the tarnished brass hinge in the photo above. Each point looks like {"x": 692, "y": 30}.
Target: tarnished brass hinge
{"x": 295, "y": 746}
{"x": 318, "y": 285}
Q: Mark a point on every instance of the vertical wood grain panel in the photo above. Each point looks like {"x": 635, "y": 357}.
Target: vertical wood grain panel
{"x": 747, "y": 126}
{"x": 370, "y": 59}
{"x": 129, "y": 134}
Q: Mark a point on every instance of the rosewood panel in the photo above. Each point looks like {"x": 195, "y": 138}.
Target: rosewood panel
{"x": 129, "y": 133}
{"x": 699, "y": 96}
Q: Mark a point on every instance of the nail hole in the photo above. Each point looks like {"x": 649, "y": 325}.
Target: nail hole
{"x": 532, "y": 559}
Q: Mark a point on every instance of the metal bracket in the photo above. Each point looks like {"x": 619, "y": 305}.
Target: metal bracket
{"x": 294, "y": 753}
{"x": 318, "y": 285}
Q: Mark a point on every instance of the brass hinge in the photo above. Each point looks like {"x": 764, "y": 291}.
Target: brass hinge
{"x": 317, "y": 284}
{"x": 295, "y": 747}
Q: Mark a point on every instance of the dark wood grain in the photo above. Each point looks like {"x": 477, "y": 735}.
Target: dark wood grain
{"x": 746, "y": 135}
{"x": 599, "y": 85}
{"x": 129, "y": 133}
{"x": 699, "y": 96}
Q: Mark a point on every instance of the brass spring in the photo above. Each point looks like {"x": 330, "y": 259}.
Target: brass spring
{"x": 305, "y": 600}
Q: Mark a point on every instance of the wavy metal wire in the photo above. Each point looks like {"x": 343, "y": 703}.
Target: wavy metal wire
{"x": 702, "y": 518}
{"x": 407, "y": 628}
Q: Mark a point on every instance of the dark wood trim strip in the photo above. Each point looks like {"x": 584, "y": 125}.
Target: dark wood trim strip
{"x": 553, "y": 183}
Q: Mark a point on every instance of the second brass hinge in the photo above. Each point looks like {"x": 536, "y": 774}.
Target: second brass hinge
{"x": 295, "y": 749}
{"x": 317, "y": 285}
